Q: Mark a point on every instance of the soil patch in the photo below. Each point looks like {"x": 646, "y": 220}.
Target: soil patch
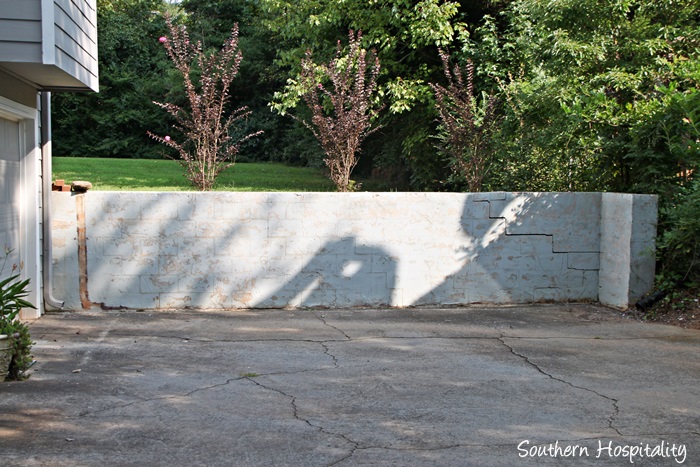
{"x": 679, "y": 308}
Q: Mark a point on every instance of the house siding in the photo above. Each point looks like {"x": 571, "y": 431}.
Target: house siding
{"x": 51, "y": 43}
{"x": 24, "y": 10}
{"x": 76, "y": 39}
{"x": 44, "y": 45}
{"x": 16, "y": 52}
{"x": 17, "y": 90}
{"x": 20, "y": 31}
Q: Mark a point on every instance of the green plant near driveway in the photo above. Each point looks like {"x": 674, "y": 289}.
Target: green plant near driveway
{"x": 166, "y": 175}
{"x": 16, "y": 340}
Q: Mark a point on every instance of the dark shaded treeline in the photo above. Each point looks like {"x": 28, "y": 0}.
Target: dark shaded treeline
{"x": 593, "y": 96}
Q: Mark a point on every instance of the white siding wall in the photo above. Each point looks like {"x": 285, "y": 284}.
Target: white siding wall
{"x": 20, "y": 31}
{"x": 75, "y": 33}
{"x": 51, "y": 43}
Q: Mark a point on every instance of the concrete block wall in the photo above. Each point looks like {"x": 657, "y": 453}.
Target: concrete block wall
{"x": 156, "y": 250}
{"x": 627, "y": 254}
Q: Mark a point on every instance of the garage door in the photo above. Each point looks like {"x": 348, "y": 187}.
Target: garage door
{"x": 9, "y": 190}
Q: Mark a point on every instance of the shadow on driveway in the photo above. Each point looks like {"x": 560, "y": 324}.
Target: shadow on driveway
{"x": 520, "y": 385}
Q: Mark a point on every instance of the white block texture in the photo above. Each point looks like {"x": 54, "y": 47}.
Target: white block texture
{"x": 262, "y": 250}
{"x": 627, "y": 255}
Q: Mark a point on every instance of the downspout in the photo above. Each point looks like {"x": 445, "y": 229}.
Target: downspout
{"x": 46, "y": 178}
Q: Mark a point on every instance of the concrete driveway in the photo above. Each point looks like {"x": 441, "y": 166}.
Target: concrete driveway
{"x": 521, "y": 385}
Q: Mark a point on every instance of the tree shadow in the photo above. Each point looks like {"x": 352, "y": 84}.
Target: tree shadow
{"x": 523, "y": 248}
{"x": 224, "y": 251}
{"x": 341, "y": 273}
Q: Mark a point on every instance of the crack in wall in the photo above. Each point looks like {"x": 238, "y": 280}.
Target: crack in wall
{"x": 613, "y": 401}
{"x": 123, "y": 226}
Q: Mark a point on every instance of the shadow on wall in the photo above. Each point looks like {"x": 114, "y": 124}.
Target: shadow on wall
{"x": 265, "y": 250}
{"x": 211, "y": 250}
{"x": 341, "y": 273}
{"x": 151, "y": 250}
{"x": 525, "y": 247}
{"x": 521, "y": 248}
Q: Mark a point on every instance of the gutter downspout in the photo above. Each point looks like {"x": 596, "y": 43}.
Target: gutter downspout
{"x": 46, "y": 178}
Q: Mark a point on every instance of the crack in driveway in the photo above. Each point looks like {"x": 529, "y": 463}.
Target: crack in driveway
{"x": 325, "y": 344}
{"x": 143, "y": 400}
{"x": 612, "y": 400}
{"x": 295, "y": 411}
{"x": 326, "y": 350}
{"x": 322, "y": 318}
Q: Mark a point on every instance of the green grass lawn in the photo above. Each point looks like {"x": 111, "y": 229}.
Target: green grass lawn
{"x": 167, "y": 175}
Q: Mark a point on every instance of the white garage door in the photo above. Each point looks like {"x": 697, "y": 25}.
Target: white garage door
{"x": 9, "y": 191}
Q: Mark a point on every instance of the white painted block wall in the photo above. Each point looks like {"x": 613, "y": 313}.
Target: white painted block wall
{"x": 150, "y": 250}
{"x": 628, "y": 247}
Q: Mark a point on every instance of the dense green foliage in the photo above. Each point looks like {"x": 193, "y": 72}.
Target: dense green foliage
{"x": 133, "y": 73}
{"x": 585, "y": 82}
{"x": 601, "y": 96}
{"x": 21, "y": 351}
{"x": 595, "y": 95}
{"x": 405, "y": 35}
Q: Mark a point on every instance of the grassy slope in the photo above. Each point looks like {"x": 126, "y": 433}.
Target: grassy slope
{"x": 167, "y": 175}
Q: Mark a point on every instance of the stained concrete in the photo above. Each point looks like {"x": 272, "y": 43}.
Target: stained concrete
{"x": 457, "y": 386}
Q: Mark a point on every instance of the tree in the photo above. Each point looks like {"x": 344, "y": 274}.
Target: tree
{"x": 467, "y": 126}
{"x": 209, "y": 145}
{"x": 113, "y": 122}
{"x": 349, "y": 102}
{"x": 578, "y": 80}
{"x": 602, "y": 96}
{"x": 135, "y": 72}
{"x": 259, "y": 77}
{"x": 405, "y": 36}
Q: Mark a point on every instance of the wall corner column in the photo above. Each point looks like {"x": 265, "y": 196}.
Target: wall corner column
{"x": 628, "y": 248}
